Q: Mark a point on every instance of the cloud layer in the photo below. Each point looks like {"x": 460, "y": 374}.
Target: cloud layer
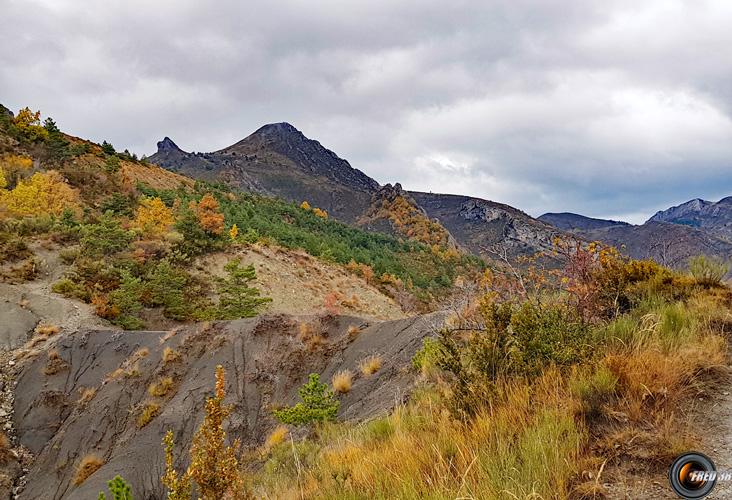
{"x": 607, "y": 108}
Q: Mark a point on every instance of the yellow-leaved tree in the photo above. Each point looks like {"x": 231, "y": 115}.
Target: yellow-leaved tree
{"x": 153, "y": 218}
{"x": 214, "y": 467}
{"x": 233, "y": 232}
{"x": 29, "y": 124}
{"x": 44, "y": 193}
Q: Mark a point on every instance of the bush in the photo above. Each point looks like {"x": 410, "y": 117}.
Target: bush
{"x": 72, "y": 290}
{"x": 107, "y": 148}
{"x": 106, "y": 237}
{"x": 318, "y": 405}
{"x": 342, "y": 381}
{"x": 119, "y": 489}
{"x": 88, "y": 466}
{"x": 708, "y": 271}
{"x": 149, "y": 412}
{"x": 370, "y": 364}
{"x": 165, "y": 285}
{"x": 127, "y": 299}
{"x": 594, "y": 390}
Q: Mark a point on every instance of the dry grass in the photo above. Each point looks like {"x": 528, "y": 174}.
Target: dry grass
{"x": 170, "y": 355}
{"x": 312, "y": 339}
{"x": 161, "y": 388}
{"x": 6, "y": 453}
{"x": 353, "y": 331}
{"x": 86, "y": 394}
{"x": 275, "y": 438}
{"x": 47, "y": 330}
{"x": 342, "y": 381}
{"x": 370, "y": 365}
{"x": 55, "y": 363}
{"x": 149, "y": 412}
{"x": 88, "y": 466}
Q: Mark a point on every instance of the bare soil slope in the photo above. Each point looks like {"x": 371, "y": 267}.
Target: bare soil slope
{"x": 84, "y": 395}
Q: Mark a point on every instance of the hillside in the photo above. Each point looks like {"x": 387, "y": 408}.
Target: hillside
{"x": 279, "y": 160}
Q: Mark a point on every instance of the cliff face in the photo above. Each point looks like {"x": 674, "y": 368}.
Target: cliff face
{"x": 712, "y": 216}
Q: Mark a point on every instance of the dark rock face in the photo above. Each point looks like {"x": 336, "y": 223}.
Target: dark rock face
{"x": 571, "y": 222}
{"x": 5, "y": 111}
{"x": 702, "y": 214}
{"x": 265, "y": 364}
{"x": 481, "y": 225}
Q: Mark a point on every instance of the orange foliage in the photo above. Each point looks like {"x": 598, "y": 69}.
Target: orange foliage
{"x": 320, "y": 213}
{"x": 209, "y": 216}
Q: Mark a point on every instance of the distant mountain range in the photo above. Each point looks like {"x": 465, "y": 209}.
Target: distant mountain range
{"x": 278, "y": 160}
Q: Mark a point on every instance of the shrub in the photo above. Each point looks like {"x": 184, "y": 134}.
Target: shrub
{"x": 594, "y": 390}
{"x": 236, "y": 298}
{"x": 342, "y": 381}
{"x": 428, "y": 356}
{"x": 88, "y": 466}
{"x": 149, "y": 412}
{"x": 107, "y": 148}
{"x": 153, "y": 218}
{"x": 708, "y": 271}
{"x": 318, "y": 404}
{"x": 164, "y": 285}
{"x": 370, "y": 365}
{"x": 127, "y": 299}
{"x": 68, "y": 288}
{"x": 106, "y": 237}
{"x": 119, "y": 489}
{"x": 47, "y": 329}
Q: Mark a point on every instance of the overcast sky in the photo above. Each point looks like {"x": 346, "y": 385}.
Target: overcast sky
{"x": 606, "y": 108}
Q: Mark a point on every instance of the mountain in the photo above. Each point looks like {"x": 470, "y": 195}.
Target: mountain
{"x": 572, "y": 222}
{"x": 702, "y": 214}
{"x": 279, "y": 160}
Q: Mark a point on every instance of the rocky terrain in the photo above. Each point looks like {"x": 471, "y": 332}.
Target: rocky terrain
{"x": 715, "y": 217}
{"x": 83, "y": 394}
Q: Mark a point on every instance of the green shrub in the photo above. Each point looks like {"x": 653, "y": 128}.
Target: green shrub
{"x": 708, "y": 271}
{"x": 111, "y": 164}
{"x": 107, "y": 148}
{"x": 165, "y": 285}
{"x": 68, "y": 288}
{"x": 427, "y": 356}
{"x": 318, "y": 405}
{"x": 119, "y": 489}
{"x": 118, "y": 204}
{"x": 106, "y": 237}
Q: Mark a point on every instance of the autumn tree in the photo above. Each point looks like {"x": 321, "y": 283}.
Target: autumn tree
{"x": 214, "y": 467}
{"x": 28, "y": 125}
{"x": 209, "y": 216}
{"x": 153, "y": 218}
{"x": 233, "y": 232}
{"x": 44, "y": 193}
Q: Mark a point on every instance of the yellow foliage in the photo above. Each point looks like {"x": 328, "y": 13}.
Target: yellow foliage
{"x": 29, "y": 123}
{"x": 276, "y": 437}
{"x": 43, "y": 194}
{"x": 3, "y": 180}
{"x": 370, "y": 365}
{"x": 153, "y": 218}
{"x": 342, "y": 381}
{"x": 233, "y": 232}
{"x": 305, "y": 205}
{"x": 14, "y": 167}
{"x": 320, "y": 213}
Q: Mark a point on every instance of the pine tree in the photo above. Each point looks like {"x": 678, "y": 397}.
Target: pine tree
{"x": 236, "y": 298}
{"x": 318, "y": 404}
{"x": 119, "y": 489}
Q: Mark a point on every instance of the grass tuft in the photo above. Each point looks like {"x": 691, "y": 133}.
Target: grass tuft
{"x": 342, "y": 381}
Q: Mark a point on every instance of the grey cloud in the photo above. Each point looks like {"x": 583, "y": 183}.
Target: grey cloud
{"x": 609, "y": 108}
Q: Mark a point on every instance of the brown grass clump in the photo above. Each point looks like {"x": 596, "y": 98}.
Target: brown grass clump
{"x": 370, "y": 365}
{"x": 342, "y": 381}
{"x": 86, "y": 395}
{"x": 5, "y": 452}
{"x": 161, "y": 388}
{"x": 308, "y": 336}
{"x": 55, "y": 363}
{"x": 149, "y": 412}
{"x": 47, "y": 330}
{"x": 353, "y": 331}
{"x": 88, "y": 466}
{"x": 170, "y": 355}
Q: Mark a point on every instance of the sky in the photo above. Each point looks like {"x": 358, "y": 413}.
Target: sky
{"x": 606, "y": 108}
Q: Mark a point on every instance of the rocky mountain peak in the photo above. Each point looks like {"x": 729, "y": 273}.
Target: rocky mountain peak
{"x": 167, "y": 146}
